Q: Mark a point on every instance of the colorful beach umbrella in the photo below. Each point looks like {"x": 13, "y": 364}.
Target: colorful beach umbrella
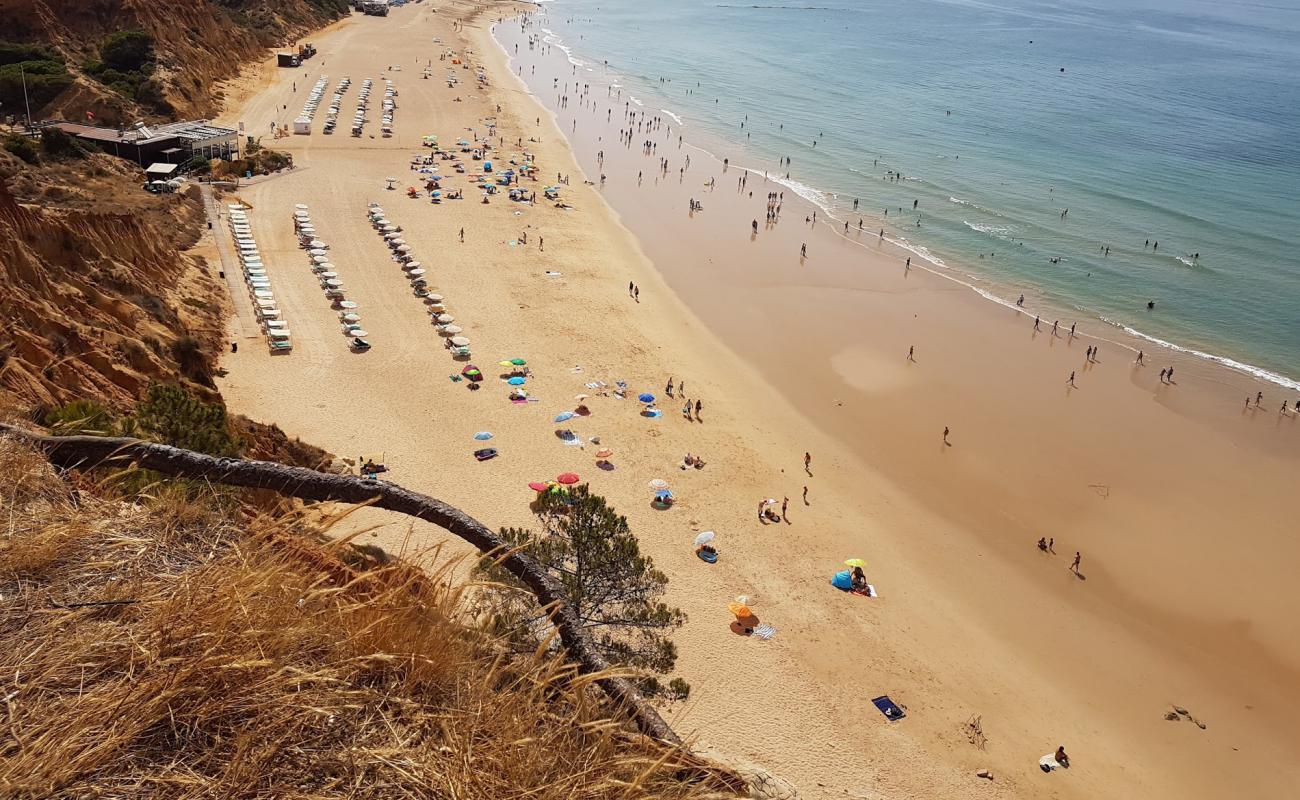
{"x": 567, "y": 478}
{"x": 604, "y": 452}
{"x": 658, "y": 484}
{"x": 739, "y": 609}
{"x": 516, "y": 381}
{"x": 538, "y": 486}
{"x": 855, "y": 562}
{"x": 646, "y": 397}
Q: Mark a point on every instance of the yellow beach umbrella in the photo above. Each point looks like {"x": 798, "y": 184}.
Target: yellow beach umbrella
{"x": 855, "y": 562}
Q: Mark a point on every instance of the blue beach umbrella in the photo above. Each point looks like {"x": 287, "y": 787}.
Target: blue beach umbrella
{"x": 516, "y": 381}
{"x": 483, "y": 436}
{"x": 564, "y": 416}
{"x": 646, "y": 397}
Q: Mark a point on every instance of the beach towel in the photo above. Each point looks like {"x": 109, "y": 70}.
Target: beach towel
{"x": 705, "y": 555}
{"x": 485, "y": 453}
{"x": 1048, "y": 763}
{"x": 888, "y": 707}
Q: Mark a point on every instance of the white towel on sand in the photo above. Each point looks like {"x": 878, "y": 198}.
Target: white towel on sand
{"x": 1049, "y": 762}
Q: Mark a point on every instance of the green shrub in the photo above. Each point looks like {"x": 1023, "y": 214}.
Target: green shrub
{"x": 45, "y": 80}
{"x": 80, "y": 417}
{"x": 21, "y": 146}
{"x": 128, "y": 51}
{"x": 172, "y": 415}
{"x": 56, "y": 143}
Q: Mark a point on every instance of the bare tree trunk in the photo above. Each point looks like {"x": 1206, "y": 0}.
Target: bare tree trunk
{"x": 85, "y": 452}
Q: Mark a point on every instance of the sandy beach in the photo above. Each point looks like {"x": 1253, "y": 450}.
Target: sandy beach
{"x": 1179, "y": 502}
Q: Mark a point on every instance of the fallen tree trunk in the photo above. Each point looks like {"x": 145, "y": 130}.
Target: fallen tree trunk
{"x": 85, "y": 452}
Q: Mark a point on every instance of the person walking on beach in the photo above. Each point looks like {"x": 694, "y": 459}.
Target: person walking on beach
{"x": 803, "y": 250}
{"x": 630, "y": 287}
{"x": 636, "y": 293}
{"x": 910, "y": 350}
{"x": 1036, "y": 324}
{"x": 1054, "y": 326}
{"x": 1019, "y": 302}
{"x": 754, "y": 225}
{"x": 1072, "y": 329}
{"x": 686, "y": 409}
{"x": 785, "y": 503}
{"x": 698, "y": 407}
{"x": 945, "y": 434}
{"x": 805, "y": 496}
{"x": 1140, "y": 357}
{"x": 1162, "y": 378}
{"x": 462, "y": 236}
{"x": 669, "y": 388}
{"x": 1259, "y": 396}
{"x": 807, "y": 463}
{"x": 1074, "y": 567}
{"x": 1070, "y": 382}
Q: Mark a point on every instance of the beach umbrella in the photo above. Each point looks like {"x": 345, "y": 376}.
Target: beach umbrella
{"x": 357, "y": 333}
{"x": 581, "y": 397}
{"x": 349, "y": 304}
{"x": 739, "y": 609}
{"x": 317, "y": 252}
{"x": 518, "y": 362}
{"x": 472, "y": 372}
{"x": 415, "y": 273}
{"x": 301, "y": 206}
{"x": 483, "y": 436}
{"x": 318, "y": 243}
{"x": 516, "y": 381}
{"x": 459, "y": 341}
{"x": 403, "y": 248}
{"x": 350, "y": 317}
{"x": 434, "y": 298}
{"x": 704, "y": 538}
{"x": 327, "y": 274}
{"x": 446, "y": 319}
{"x": 411, "y": 265}
{"x": 604, "y": 452}
{"x": 538, "y": 486}
{"x": 855, "y": 562}
{"x": 320, "y": 259}
{"x": 334, "y": 283}
{"x": 563, "y": 416}
{"x": 322, "y": 267}
{"x": 452, "y": 330}
{"x": 646, "y": 397}
{"x": 567, "y": 478}
{"x": 658, "y": 484}
{"x": 388, "y": 228}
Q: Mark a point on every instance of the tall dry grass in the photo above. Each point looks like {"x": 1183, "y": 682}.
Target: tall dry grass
{"x": 166, "y": 649}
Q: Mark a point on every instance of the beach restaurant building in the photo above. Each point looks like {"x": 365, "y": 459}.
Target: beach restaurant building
{"x": 170, "y": 143}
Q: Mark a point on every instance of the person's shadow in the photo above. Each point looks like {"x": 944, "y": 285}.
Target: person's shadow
{"x": 744, "y": 626}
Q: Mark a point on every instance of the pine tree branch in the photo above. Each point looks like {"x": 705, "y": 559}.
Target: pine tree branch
{"x": 84, "y": 452}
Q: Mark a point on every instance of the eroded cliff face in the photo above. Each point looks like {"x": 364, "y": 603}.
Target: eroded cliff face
{"x": 98, "y": 297}
{"x": 198, "y": 43}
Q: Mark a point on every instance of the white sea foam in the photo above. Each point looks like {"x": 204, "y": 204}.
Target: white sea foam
{"x": 1000, "y": 231}
{"x": 1249, "y": 369}
{"x": 634, "y": 100}
{"x": 676, "y": 118}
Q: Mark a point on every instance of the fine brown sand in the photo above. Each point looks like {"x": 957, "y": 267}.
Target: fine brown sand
{"x": 1181, "y": 506}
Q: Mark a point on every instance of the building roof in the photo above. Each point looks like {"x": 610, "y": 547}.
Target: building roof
{"x": 197, "y": 131}
{"x": 160, "y": 169}
{"x": 95, "y": 133}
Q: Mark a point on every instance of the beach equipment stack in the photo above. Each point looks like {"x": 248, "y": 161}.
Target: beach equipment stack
{"x": 259, "y": 285}
{"x": 302, "y": 125}
{"x": 388, "y": 107}
{"x": 332, "y": 113}
{"x": 363, "y": 101}
{"x": 403, "y": 254}
{"x": 318, "y": 260}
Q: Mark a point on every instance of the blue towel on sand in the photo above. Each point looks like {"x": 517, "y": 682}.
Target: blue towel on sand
{"x": 888, "y": 707}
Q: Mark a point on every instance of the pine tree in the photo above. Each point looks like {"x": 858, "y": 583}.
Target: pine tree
{"x": 614, "y": 588}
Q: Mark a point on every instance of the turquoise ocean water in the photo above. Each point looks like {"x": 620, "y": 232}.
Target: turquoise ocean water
{"x": 1174, "y": 121}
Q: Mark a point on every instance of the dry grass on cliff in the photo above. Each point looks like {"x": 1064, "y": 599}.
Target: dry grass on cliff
{"x": 216, "y": 658}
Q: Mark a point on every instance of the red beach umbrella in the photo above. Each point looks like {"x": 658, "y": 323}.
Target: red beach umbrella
{"x": 567, "y": 478}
